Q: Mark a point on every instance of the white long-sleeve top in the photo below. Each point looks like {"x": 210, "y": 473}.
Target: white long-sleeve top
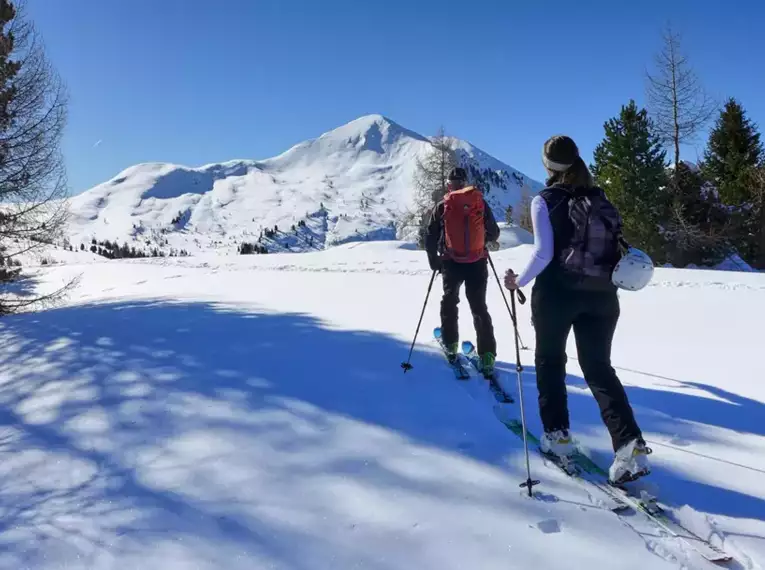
{"x": 543, "y": 242}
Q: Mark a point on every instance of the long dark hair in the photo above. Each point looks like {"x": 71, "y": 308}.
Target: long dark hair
{"x": 561, "y": 150}
{"x": 578, "y": 176}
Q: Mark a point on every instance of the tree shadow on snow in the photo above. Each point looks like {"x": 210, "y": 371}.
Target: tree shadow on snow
{"x": 23, "y": 286}
{"x": 671, "y": 414}
{"x": 132, "y": 424}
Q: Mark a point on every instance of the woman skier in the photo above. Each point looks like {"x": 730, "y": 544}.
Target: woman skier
{"x": 577, "y": 238}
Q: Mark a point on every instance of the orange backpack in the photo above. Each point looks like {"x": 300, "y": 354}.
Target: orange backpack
{"x": 464, "y": 233}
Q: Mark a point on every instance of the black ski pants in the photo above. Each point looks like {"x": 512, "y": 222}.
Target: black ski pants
{"x": 475, "y": 276}
{"x": 593, "y": 316}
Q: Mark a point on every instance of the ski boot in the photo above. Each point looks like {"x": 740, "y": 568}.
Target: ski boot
{"x": 487, "y": 365}
{"x": 452, "y": 351}
{"x": 558, "y": 446}
{"x": 630, "y": 462}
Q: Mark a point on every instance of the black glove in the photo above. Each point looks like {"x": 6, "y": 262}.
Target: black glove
{"x": 436, "y": 264}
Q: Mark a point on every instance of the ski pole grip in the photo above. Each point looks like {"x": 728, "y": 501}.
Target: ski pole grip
{"x": 521, "y": 297}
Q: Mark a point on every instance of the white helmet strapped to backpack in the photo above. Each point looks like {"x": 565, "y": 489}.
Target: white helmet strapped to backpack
{"x": 633, "y": 271}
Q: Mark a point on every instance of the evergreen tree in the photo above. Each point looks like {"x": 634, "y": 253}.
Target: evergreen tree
{"x": 754, "y": 252}
{"x": 699, "y": 227}
{"x": 733, "y": 149}
{"x": 509, "y": 214}
{"x": 630, "y": 166}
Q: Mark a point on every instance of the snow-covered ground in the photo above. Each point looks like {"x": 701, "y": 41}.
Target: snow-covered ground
{"x": 250, "y": 412}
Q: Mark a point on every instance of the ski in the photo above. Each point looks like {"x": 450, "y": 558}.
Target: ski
{"x": 649, "y": 505}
{"x": 499, "y": 393}
{"x": 621, "y": 498}
{"x": 662, "y": 517}
{"x": 605, "y": 499}
{"x": 459, "y": 370}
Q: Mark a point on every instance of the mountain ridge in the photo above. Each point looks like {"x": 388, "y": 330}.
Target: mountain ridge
{"x": 353, "y": 183}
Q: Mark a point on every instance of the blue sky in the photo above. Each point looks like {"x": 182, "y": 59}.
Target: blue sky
{"x": 194, "y": 82}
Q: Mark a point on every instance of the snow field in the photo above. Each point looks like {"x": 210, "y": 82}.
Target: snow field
{"x": 250, "y": 412}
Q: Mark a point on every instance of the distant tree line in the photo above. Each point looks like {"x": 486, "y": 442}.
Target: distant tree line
{"x": 112, "y": 250}
{"x": 246, "y": 248}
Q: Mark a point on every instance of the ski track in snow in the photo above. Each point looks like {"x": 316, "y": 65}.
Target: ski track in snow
{"x": 250, "y": 412}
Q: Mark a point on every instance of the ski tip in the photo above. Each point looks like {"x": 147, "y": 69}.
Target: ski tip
{"x": 437, "y": 332}
{"x": 467, "y": 347}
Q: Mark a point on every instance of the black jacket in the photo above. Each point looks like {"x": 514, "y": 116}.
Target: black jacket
{"x": 434, "y": 234}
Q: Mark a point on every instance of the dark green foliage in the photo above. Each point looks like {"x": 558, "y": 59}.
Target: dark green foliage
{"x": 630, "y": 166}
{"x": 733, "y": 149}
{"x": 698, "y": 228}
{"x": 246, "y": 248}
{"x": 112, "y": 250}
{"x": 750, "y": 220}
{"x": 733, "y": 162}
{"x": 509, "y": 215}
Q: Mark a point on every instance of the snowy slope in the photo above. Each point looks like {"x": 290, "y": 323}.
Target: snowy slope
{"x": 351, "y": 184}
{"x": 250, "y": 412}
{"x": 511, "y": 235}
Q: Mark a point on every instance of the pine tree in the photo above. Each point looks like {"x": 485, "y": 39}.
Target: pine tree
{"x": 754, "y": 224}
{"x": 509, "y": 214}
{"x": 699, "y": 227}
{"x": 630, "y": 166}
{"x": 733, "y": 149}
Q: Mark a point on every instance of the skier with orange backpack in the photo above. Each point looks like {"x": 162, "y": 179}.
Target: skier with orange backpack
{"x": 460, "y": 226}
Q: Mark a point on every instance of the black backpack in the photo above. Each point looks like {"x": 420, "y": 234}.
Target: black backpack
{"x": 596, "y": 243}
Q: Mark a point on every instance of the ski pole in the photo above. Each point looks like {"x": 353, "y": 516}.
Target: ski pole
{"x": 406, "y": 365}
{"x": 521, "y": 298}
{"x": 529, "y": 483}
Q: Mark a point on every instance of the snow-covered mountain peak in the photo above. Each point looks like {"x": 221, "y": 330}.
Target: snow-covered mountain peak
{"x": 353, "y": 183}
{"x": 360, "y": 139}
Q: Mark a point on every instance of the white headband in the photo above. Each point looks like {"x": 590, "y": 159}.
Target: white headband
{"x": 555, "y": 166}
